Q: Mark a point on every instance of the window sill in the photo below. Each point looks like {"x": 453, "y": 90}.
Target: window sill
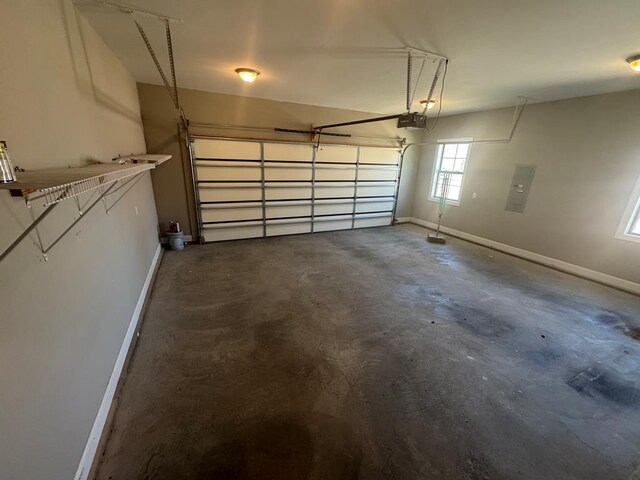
{"x": 448, "y": 202}
{"x": 629, "y": 237}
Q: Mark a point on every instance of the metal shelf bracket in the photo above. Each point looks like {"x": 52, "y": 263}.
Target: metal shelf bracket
{"x": 55, "y": 186}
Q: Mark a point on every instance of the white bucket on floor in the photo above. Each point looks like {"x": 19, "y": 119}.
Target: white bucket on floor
{"x": 176, "y": 240}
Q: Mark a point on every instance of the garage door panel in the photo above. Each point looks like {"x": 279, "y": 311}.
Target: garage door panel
{"x": 230, "y": 214}
{"x": 226, "y": 149}
{"x": 206, "y": 173}
{"x": 227, "y": 163}
{"x": 337, "y": 154}
{"x": 379, "y": 155}
{"x": 332, "y": 225}
{"x": 334, "y": 209}
{"x": 226, "y": 194}
{"x": 378, "y": 174}
{"x": 273, "y": 173}
{"x": 364, "y": 222}
{"x": 362, "y": 207}
{"x": 288, "y": 211}
{"x": 289, "y": 152}
{"x": 276, "y": 229}
{"x": 231, "y": 233}
{"x": 336, "y": 174}
{"x": 376, "y": 190}
{"x": 333, "y": 191}
{"x": 281, "y": 193}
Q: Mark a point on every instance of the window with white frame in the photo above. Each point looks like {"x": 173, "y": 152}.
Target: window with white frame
{"x": 449, "y": 168}
{"x": 635, "y": 226}
{"x": 629, "y": 228}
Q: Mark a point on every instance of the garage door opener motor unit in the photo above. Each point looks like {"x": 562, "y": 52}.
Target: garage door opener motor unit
{"x": 412, "y": 121}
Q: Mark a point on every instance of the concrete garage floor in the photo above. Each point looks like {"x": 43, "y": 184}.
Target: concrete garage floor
{"x": 372, "y": 354}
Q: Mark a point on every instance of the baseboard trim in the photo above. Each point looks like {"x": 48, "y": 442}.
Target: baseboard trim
{"x": 560, "y": 265}
{"x": 91, "y": 448}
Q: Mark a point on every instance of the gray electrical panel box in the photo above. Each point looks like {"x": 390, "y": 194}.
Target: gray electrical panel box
{"x": 520, "y": 186}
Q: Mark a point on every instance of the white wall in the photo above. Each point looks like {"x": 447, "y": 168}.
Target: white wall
{"x": 64, "y": 99}
{"x": 587, "y": 153}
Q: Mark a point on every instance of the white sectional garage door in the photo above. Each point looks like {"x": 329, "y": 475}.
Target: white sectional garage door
{"x": 251, "y": 189}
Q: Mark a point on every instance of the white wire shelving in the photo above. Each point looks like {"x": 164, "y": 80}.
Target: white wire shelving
{"x": 55, "y": 185}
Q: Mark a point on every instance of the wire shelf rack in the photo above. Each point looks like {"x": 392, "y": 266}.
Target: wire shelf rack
{"x": 53, "y": 186}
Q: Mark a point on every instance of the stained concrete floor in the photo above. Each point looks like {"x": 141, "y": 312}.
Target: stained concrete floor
{"x": 372, "y": 354}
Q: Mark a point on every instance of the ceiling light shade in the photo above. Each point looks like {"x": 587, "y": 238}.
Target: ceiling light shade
{"x": 430, "y": 104}
{"x": 634, "y": 62}
{"x": 248, "y": 75}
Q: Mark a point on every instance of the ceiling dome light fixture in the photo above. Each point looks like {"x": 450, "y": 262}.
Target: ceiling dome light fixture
{"x": 634, "y": 62}
{"x": 430, "y": 104}
{"x": 248, "y": 75}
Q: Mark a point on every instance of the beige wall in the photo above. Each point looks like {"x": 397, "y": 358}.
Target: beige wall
{"x": 588, "y": 159}
{"x": 173, "y": 189}
{"x": 64, "y": 99}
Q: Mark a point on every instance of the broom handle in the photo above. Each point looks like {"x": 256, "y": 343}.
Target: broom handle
{"x": 444, "y": 191}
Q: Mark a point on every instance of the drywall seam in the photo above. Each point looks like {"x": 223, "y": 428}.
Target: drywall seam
{"x": 566, "y": 267}
{"x": 91, "y": 447}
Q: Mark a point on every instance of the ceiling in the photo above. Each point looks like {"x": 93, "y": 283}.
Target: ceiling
{"x": 343, "y": 53}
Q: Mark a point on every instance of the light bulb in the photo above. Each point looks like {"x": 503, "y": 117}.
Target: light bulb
{"x": 430, "y": 104}
{"x": 248, "y": 75}
{"x": 634, "y": 62}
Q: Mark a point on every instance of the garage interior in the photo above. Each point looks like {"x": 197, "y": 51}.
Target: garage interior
{"x": 346, "y": 240}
